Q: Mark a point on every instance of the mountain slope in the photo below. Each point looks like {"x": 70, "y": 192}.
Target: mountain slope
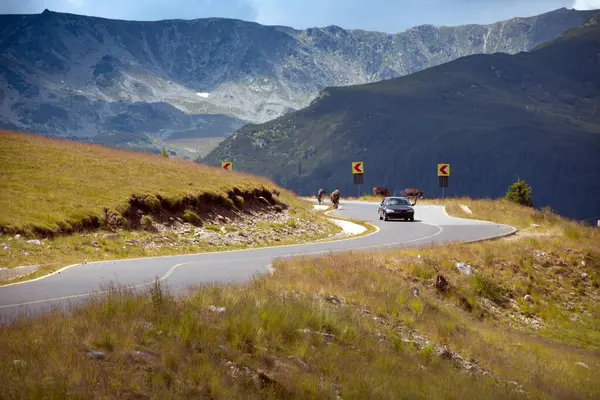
{"x": 492, "y": 117}
{"x": 64, "y": 74}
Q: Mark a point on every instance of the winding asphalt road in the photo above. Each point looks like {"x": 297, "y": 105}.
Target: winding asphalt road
{"x": 74, "y": 284}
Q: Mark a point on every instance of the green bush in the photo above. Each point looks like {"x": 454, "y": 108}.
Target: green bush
{"x": 192, "y": 218}
{"x": 164, "y": 153}
{"x": 226, "y": 202}
{"x": 520, "y": 192}
{"x": 239, "y": 201}
{"x": 147, "y": 223}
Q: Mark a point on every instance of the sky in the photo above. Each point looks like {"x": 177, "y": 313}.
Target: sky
{"x": 378, "y": 15}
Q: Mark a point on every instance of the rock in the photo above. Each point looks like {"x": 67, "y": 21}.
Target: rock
{"x": 528, "y": 299}
{"x": 144, "y": 355}
{"x": 441, "y": 284}
{"x": 264, "y": 201}
{"x": 218, "y": 310}
{"x": 98, "y": 355}
{"x": 21, "y": 363}
{"x": 464, "y": 269}
{"x": 223, "y": 348}
{"x": 334, "y": 300}
{"x": 35, "y": 241}
{"x": 17, "y": 236}
{"x": 415, "y": 291}
{"x": 111, "y": 236}
{"x": 146, "y": 325}
{"x": 262, "y": 379}
{"x": 584, "y": 276}
{"x": 95, "y": 243}
{"x": 300, "y": 363}
{"x": 25, "y": 252}
{"x": 580, "y": 364}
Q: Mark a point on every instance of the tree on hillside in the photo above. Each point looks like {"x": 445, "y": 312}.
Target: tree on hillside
{"x": 164, "y": 153}
{"x": 520, "y": 192}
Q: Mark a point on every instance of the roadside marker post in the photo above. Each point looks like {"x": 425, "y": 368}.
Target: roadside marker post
{"x": 443, "y": 172}
{"x": 358, "y": 171}
{"x": 227, "y": 165}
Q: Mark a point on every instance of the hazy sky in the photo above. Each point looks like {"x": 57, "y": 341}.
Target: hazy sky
{"x": 381, "y": 15}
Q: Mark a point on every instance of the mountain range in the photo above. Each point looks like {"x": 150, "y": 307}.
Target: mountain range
{"x": 493, "y": 117}
{"x": 141, "y": 84}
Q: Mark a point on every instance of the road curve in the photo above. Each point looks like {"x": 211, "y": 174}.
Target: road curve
{"x": 431, "y": 226}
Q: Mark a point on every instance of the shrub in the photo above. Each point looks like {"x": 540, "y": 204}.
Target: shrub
{"x": 226, "y": 202}
{"x": 147, "y": 223}
{"x": 278, "y": 208}
{"x": 239, "y": 201}
{"x": 192, "y": 218}
{"x": 487, "y": 288}
{"x": 520, "y": 192}
{"x": 164, "y": 153}
{"x": 151, "y": 202}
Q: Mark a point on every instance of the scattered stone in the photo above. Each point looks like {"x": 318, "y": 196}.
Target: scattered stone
{"x": 465, "y": 269}
{"x": 300, "y": 363}
{"x": 580, "y": 364}
{"x": 95, "y": 243}
{"x": 7, "y": 274}
{"x": 441, "y": 284}
{"x": 25, "y": 252}
{"x": 146, "y": 325}
{"x": 584, "y": 276}
{"x": 264, "y": 201}
{"x": 17, "y": 236}
{"x": 223, "y": 347}
{"x": 334, "y": 300}
{"x": 218, "y": 310}
{"x": 528, "y": 299}
{"x": 415, "y": 291}
{"x": 466, "y": 209}
{"x": 144, "y": 355}
{"x": 21, "y": 363}
{"x": 35, "y": 241}
{"x": 98, "y": 355}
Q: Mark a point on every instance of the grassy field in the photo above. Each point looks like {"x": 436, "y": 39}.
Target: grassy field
{"x": 88, "y": 202}
{"x": 378, "y": 325}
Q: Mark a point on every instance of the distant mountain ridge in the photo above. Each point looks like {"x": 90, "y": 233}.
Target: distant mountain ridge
{"x": 492, "y": 117}
{"x": 64, "y": 74}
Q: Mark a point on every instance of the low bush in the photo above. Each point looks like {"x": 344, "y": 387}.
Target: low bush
{"x": 192, "y": 218}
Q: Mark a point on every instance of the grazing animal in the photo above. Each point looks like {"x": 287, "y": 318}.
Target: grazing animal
{"x": 413, "y": 193}
{"x": 320, "y": 195}
{"x": 381, "y": 191}
{"x": 335, "y": 198}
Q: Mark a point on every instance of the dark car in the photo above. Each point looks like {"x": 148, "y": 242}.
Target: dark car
{"x": 396, "y": 207}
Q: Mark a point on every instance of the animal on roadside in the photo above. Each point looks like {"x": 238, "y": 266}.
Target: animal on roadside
{"x": 335, "y": 198}
{"x": 381, "y": 191}
{"x": 320, "y": 195}
{"x": 414, "y": 194}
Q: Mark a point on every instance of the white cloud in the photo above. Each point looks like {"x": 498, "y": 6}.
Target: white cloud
{"x": 76, "y": 3}
{"x": 586, "y": 4}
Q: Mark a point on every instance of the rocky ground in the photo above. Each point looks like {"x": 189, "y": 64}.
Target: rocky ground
{"x": 218, "y": 232}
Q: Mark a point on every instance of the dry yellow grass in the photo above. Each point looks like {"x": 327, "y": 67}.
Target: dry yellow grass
{"x": 61, "y": 188}
{"x": 48, "y": 183}
{"x": 547, "y": 346}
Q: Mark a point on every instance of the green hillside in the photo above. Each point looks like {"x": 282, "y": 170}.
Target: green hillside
{"x": 492, "y": 117}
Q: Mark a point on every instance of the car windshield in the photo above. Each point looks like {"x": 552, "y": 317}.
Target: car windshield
{"x": 396, "y": 202}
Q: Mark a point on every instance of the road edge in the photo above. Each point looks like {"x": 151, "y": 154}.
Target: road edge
{"x": 370, "y": 230}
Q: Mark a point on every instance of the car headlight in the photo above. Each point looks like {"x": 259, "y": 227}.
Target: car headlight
{"x": 388, "y": 210}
